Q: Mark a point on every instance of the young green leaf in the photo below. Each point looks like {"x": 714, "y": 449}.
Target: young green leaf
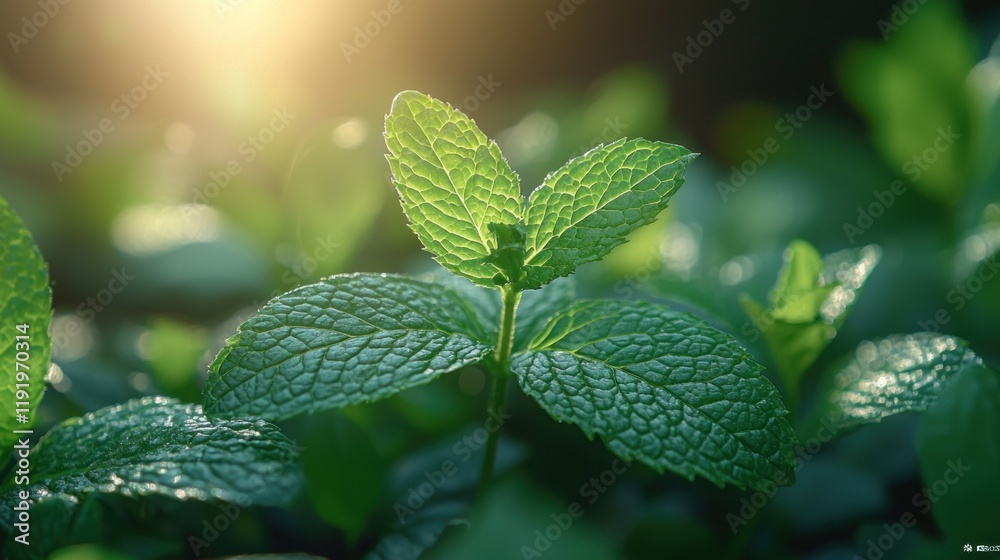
{"x": 958, "y": 447}
{"x": 453, "y": 183}
{"x": 591, "y": 204}
{"x": 158, "y": 446}
{"x": 662, "y": 387}
{"x": 26, "y": 309}
{"x": 508, "y": 255}
{"x": 900, "y": 373}
{"x": 346, "y": 340}
{"x": 798, "y": 294}
{"x": 809, "y": 302}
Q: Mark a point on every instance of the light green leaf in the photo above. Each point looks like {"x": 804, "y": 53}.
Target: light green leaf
{"x": 795, "y": 346}
{"x": 900, "y": 373}
{"x": 155, "y": 445}
{"x": 808, "y": 304}
{"x": 25, "y": 299}
{"x": 959, "y": 452}
{"x": 591, "y": 204}
{"x": 662, "y": 387}
{"x": 346, "y": 340}
{"x": 174, "y": 352}
{"x": 452, "y": 181}
{"x": 798, "y": 294}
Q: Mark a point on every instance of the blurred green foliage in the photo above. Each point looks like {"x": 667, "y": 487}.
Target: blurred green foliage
{"x": 316, "y": 201}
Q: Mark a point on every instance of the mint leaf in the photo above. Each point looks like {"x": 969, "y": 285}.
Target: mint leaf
{"x": 156, "y": 445}
{"x": 591, "y": 204}
{"x": 346, "y": 340}
{"x": 662, "y": 387}
{"x": 798, "y": 294}
{"x": 958, "y": 447}
{"x": 452, "y": 181}
{"x": 900, "y": 373}
{"x": 808, "y": 304}
{"x": 25, "y": 310}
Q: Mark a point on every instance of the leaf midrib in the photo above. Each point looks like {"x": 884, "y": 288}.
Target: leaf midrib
{"x": 447, "y": 173}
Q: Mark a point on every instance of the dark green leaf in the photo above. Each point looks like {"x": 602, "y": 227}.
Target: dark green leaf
{"x": 900, "y": 373}
{"x": 538, "y": 306}
{"x": 158, "y": 446}
{"x": 662, "y": 387}
{"x": 960, "y": 456}
{"x": 346, "y": 340}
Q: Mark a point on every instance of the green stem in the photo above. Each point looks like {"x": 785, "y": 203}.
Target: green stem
{"x": 501, "y": 374}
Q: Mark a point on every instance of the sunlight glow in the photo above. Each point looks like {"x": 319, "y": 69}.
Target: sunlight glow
{"x": 150, "y": 228}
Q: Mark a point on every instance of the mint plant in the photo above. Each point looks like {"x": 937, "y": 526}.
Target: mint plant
{"x": 658, "y": 386}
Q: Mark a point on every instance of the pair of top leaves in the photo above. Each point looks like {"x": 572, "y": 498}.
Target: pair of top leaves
{"x": 464, "y": 201}
{"x": 662, "y": 387}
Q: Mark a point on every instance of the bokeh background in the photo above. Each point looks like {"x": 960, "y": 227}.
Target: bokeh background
{"x": 181, "y": 163}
